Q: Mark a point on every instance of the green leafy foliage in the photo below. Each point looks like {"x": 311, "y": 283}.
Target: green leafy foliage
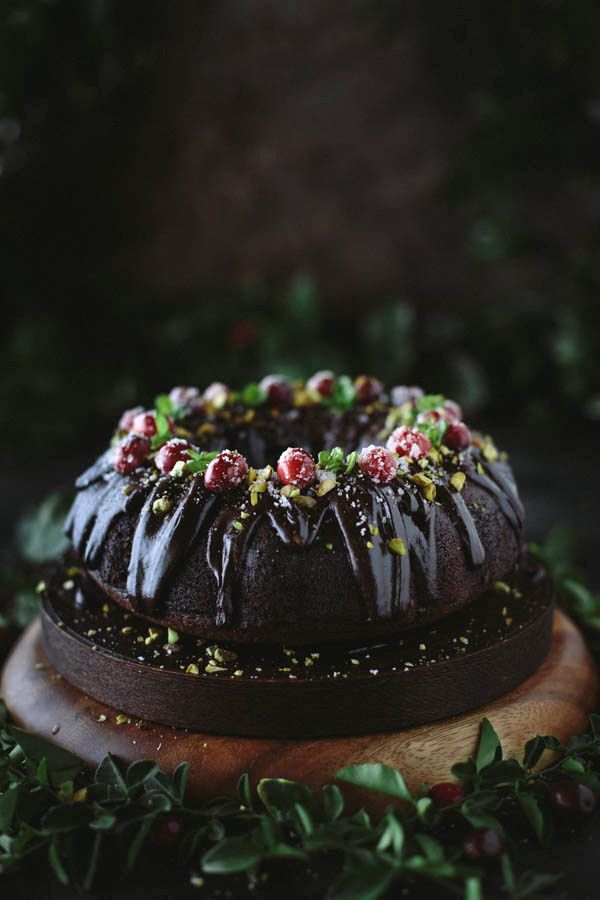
{"x": 334, "y": 460}
{"x": 50, "y": 804}
{"x": 342, "y": 396}
{"x": 199, "y": 460}
{"x": 40, "y": 535}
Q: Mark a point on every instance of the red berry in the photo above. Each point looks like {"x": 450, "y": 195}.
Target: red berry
{"x": 144, "y": 423}
{"x": 446, "y": 793}
{"x": 167, "y": 830}
{"x": 409, "y": 442}
{"x": 457, "y": 436}
{"x": 569, "y": 796}
{"x": 217, "y": 395}
{"x": 182, "y": 394}
{"x": 170, "y": 453}
{"x": 321, "y": 383}
{"x": 226, "y": 471}
{"x": 367, "y": 389}
{"x": 131, "y": 453}
{"x": 296, "y": 466}
{"x": 378, "y": 463}
{"x": 278, "y": 389}
{"x": 431, "y": 415}
{"x": 126, "y": 420}
{"x": 483, "y": 843}
{"x": 453, "y": 411}
{"x": 405, "y": 393}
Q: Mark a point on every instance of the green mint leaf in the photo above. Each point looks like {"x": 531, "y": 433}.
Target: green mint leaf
{"x": 332, "y": 460}
{"x": 251, "y": 395}
{"x": 342, "y": 396}
{"x": 428, "y": 402}
{"x": 351, "y": 461}
{"x": 377, "y": 777}
{"x": 164, "y": 405}
{"x": 199, "y": 460}
{"x": 489, "y": 747}
{"x": 435, "y": 431}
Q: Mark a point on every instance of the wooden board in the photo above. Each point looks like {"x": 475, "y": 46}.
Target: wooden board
{"x": 555, "y": 700}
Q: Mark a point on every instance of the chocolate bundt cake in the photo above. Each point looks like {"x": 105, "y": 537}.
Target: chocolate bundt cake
{"x": 344, "y": 512}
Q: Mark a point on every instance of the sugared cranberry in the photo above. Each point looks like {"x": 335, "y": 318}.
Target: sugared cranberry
{"x": 217, "y": 394}
{"x": 453, "y": 411}
{"x": 126, "y": 420}
{"x": 296, "y": 466}
{"x": 278, "y": 389}
{"x": 483, "y": 843}
{"x": 181, "y": 395}
{"x": 570, "y": 797}
{"x": 131, "y": 453}
{"x": 321, "y": 383}
{"x": 405, "y": 393}
{"x": 409, "y": 442}
{"x": 378, "y": 463}
{"x": 367, "y": 388}
{"x": 446, "y": 793}
{"x": 431, "y": 415}
{"x": 170, "y": 453}
{"x": 144, "y": 423}
{"x": 457, "y": 436}
{"x": 226, "y": 471}
{"x": 167, "y": 830}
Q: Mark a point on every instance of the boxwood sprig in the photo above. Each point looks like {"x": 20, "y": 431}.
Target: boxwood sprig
{"x": 50, "y": 804}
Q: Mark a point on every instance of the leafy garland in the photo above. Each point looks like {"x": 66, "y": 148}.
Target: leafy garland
{"x": 51, "y": 805}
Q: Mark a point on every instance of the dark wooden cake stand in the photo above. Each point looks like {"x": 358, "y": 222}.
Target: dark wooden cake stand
{"x": 556, "y": 699}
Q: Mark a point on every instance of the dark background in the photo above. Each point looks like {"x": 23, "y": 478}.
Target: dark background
{"x": 192, "y": 191}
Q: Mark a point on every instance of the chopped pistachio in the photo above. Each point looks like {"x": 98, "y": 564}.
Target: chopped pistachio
{"x": 373, "y": 529}
{"x": 161, "y": 505}
{"x": 325, "y": 486}
{"x": 244, "y": 514}
{"x": 370, "y": 545}
{"x": 179, "y": 468}
{"x": 193, "y": 669}
{"x": 397, "y": 545}
{"x": 329, "y": 546}
{"x": 239, "y": 526}
{"x": 303, "y": 500}
{"x": 210, "y": 667}
{"x": 68, "y": 585}
{"x": 457, "y": 480}
{"x": 172, "y": 636}
{"x": 238, "y": 672}
{"x": 501, "y": 586}
{"x": 224, "y": 656}
{"x": 40, "y": 587}
{"x": 127, "y": 629}
{"x": 120, "y": 719}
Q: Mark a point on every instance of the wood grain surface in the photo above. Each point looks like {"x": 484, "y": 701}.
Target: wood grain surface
{"x": 556, "y": 700}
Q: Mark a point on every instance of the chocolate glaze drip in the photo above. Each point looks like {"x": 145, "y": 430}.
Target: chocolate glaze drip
{"x": 367, "y": 516}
